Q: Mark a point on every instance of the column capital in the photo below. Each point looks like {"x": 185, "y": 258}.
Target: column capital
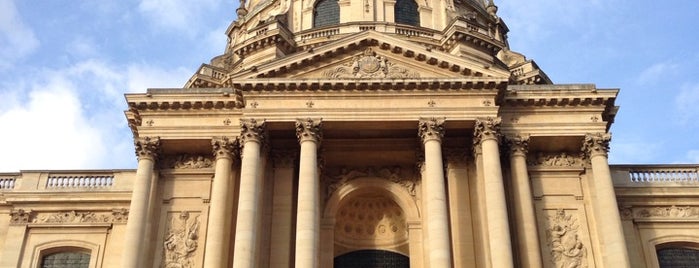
{"x": 252, "y": 130}
{"x": 596, "y": 144}
{"x": 518, "y": 145}
{"x": 486, "y": 129}
{"x": 309, "y": 130}
{"x": 431, "y": 129}
{"x": 224, "y": 147}
{"x": 147, "y": 147}
{"x": 284, "y": 158}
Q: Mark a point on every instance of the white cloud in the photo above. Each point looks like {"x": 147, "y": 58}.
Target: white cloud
{"x": 657, "y": 72}
{"x": 179, "y": 15}
{"x": 16, "y": 39}
{"x": 143, "y": 76}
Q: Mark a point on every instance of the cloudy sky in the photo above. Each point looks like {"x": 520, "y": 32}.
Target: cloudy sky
{"x": 65, "y": 65}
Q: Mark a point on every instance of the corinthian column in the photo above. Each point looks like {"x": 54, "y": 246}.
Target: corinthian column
{"x": 147, "y": 152}
{"x": 309, "y": 134}
{"x": 219, "y": 224}
{"x": 525, "y": 219}
{"x": 431, "y": 131}
{"x": 252, "y": 135}
{"x": 614, "y": 252}
{"x": 487, "y": 136}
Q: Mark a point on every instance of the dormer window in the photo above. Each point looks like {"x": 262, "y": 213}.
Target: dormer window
{"x": 326, "y": 12}
{"x": 405, "y": 12}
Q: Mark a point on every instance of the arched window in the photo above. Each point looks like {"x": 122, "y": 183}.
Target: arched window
{"x": 405, "y": 12}
{"x": 68, "y": 258}
{"x": 326, "y": 12}
{"x": 678, "y": 255}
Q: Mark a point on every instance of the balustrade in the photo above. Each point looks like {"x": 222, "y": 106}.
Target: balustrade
{"x": 61, "y": 182}
{"x": 7, "y": 183}
{"x": 635, "y": 175}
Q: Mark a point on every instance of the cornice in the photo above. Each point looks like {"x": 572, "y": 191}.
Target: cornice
{"x": 186, "y": 99}
{"x": 274, "y": 84}
{"x": 558, "y": 95}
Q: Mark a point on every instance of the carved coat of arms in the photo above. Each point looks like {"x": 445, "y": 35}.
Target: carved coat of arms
{"x": 370, "y": 65}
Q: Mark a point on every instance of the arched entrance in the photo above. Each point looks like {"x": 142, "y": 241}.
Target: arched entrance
{"x": 372, "y": 259}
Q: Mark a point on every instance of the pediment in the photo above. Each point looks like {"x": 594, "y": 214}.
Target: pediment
{"x": 372, "y": 55}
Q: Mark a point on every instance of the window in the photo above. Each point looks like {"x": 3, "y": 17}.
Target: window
{"x": 678, "y": 257}
{"x": 326, "y": 12}
{"x": 66, "y": 259}
{"x": 405, "y": 12}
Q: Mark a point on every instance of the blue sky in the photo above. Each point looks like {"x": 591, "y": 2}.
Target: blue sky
{"x": 65, "y": 65}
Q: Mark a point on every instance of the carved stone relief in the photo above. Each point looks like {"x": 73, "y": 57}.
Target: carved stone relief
{"x": 567, "y": 250}
{"x": 21, "y": 216}
{"x": 666, "y": 212}
{"x": 561, "y": 159}
{"x": 118, "y": 216}
{"x": 187, "y": 161}
{"x": 370, "y": 220}
{"x": 370, "y": 65}
{"x": 392, "y": 174}
{"x": 181, "y": 240}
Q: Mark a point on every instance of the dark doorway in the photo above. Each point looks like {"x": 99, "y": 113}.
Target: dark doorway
{"x": 372, "y": 259}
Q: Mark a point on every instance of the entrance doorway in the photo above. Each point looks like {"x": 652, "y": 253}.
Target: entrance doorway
{"x": 372, "y": 259}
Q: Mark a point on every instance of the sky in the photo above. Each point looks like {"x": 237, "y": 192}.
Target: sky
{"x": 66, "y": 65}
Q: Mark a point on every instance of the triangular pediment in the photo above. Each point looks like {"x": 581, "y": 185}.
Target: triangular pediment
{"x": 372, "y": 55}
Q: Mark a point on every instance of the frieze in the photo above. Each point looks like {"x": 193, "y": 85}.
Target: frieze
{"x": 370, "y": 65}
{"x": 567, "y": 250}
{"x": 188, "y": 161}
{"x": 119, "y": 216}
{"x": 660, "y": 212}
{"x": 561, "y": 159}
{"x": 21, "y": 216}
{"x": 392, "y": 174}
{"x": 181, "y": 240}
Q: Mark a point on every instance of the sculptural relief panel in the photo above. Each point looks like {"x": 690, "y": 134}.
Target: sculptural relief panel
{"x": 565, "y": 238}
{"x": 180, "y": 243}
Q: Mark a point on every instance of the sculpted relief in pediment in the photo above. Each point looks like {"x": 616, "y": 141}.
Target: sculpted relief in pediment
{"x": 370, "y": 65}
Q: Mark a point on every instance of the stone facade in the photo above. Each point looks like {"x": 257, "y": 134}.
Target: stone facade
{"x": 434, "y": 144}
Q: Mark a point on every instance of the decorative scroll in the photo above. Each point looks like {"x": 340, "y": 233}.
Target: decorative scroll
{"x": 562, "y": 159}
{"x": 567, "y": 249}
{"x": 224, "y": 147}
{"x": 596, "y": 144}
{"x": 392, "y": 174}
{"x": 309, "y": 129}
{"x": 147, "y": 147}
{"x": 181, "y": 241}
{"x": 518, "y": 145}
{"x": 486, "y": 128}
{"x": 431, "y": 128}
{"x": 187, "y": 161}
{"x": 251, "y": 130}
{"x": 664, "y": 212}
{"x": 116, "y": 216}
{"x": 369, "y": 65}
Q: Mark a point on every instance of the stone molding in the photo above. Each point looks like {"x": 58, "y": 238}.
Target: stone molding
{"x": 518, "y": 145}
{"x": 392, "y": 174}
{"x": 174, "y": 99}
{"x": 309, "y": 130}
{"x": 567, "y": 250}
{"x": 224, "y": 147}
{"x": 181, "y": 240}
{"x": 596, "y": 144}
{"x": 116, "y": 216}
{"x": 252, "y": 130}
{"x": 561, "y": 159}
{"x": 486, "y": 129}
{"x": 147, "y": 147}
{"x": 431, "y": 129}
{"x": 370, "y": 65}
{"x": 660, "y": 212}
{"x": 187, "y": 161}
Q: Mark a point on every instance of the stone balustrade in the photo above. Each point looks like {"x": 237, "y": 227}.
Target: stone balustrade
{"x": 64, "y": 181}
{"x": 7, "y": 183}
{"x": 79, "y": 181}
{"x": 655, "y": 175}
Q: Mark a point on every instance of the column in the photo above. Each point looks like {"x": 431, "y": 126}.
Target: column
{"x": 282, "y": 232}
{"x": 252, "y": 135}
{"x": 487, "y": 136}
{"x": 147, "y": 152}
{"x": 309, "y": 134}
{"x": 611, "y": 233}
{"x": 523, "y": 204}
{"x": 431, "y": 131}
{"x": 219, "y": 224}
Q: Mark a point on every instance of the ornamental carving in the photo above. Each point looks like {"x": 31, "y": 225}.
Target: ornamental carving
{"x": 147, "y": 147}
{"x": 370, "y": 65}
{"x": 181, "y": 240}
{"x": 224, "y": 147}
{"x": 66, "y": 217}
{"x": 567, "y": 249}
{"x": 666, "y": 212}
{"x": 188, "y": 161}
{"x": 370, "y": 221}
{"x": 309, "y": 129}
{"x": 21, "y": 216}
{"x": 392, "y": 174}
{"x": 561, "y": 159}
{"x": 518, "y": 145}
{"x": 284, "y": 158}
{"x": 251, "y": 130}
{"x": 486, "y": 128}
{"x": 596, "y": 144}
{"x": 431, "y": 129}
